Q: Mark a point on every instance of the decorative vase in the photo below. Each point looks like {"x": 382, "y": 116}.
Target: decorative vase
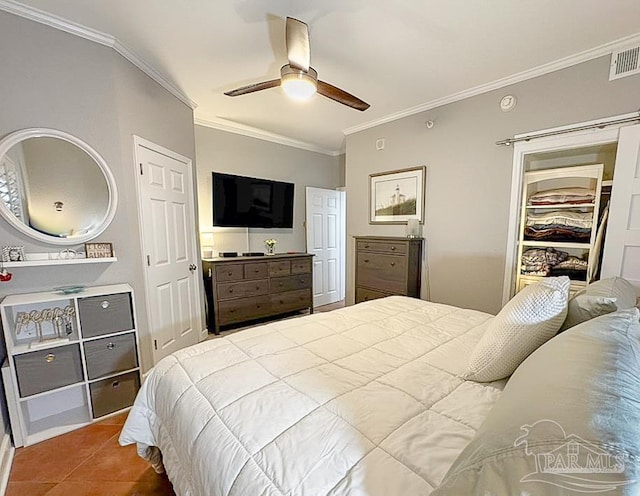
{"x": 271, "y": 246}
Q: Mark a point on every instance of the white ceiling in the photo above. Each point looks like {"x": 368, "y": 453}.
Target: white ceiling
{"x": 396, "y": 55}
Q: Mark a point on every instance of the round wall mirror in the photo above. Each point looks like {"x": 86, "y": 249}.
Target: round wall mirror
{"x": 54, "y": 187}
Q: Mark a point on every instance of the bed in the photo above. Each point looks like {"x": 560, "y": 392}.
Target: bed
{"x": 365, "y": 400}
{"x": 402, "y": 396}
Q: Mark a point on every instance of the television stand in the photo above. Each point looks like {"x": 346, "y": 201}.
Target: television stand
{"x": 242, "y": 289}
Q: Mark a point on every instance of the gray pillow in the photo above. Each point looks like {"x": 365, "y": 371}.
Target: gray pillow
{"x": 599, "y": 298}
{"x": 567, "y": 422}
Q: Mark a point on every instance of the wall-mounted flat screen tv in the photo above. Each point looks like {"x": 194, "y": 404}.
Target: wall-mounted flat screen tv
{"x": 240, "y": 201}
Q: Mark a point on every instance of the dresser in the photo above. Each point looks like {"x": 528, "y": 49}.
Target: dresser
{"x": 71, "y": 359}
{"x": 241, "y": 289}
{"x": 387, "y": 266}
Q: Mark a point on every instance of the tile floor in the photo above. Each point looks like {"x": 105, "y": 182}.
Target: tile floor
{"x": 90, "y": 462}
{"x": 86, "y": 462}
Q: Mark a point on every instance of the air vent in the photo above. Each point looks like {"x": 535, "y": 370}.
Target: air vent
{"x": 625, "y": 63}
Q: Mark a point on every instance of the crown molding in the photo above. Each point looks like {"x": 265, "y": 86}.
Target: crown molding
{"x": 96, "y": 36}
{"x": 254, "y": 132}
{"x": 541, "y": 70}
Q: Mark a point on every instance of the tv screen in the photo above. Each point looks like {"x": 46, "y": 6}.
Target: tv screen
{"x": 240, "y": 201}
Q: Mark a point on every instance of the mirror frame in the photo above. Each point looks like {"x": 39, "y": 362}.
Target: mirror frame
{"x": 40, "y": 132}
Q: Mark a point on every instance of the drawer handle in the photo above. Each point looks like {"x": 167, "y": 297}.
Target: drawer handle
{"x": 111, "y": 346}
{"x": 115, "y": 384}
{"x": 232, "y": 310}
{"x": 366, "y": 298}
{"x": 366, "y": 260}
{"x": 105, "y": 304}
{"x": 302, "y": 281}
{"x": 393, "y": 248}
{"x": 50, "y": 357}
{"x": 229, "y": 273}
{"x": 257, "y": 286}
{"x": 393, "y": 264}
{"x": 230, "y": 290}
{"x": 256, "y": 271}
{"x": 257, "y": 305}
{"x": 281, "y": 302}
{"x": 366, "y": 246}
{"x": 281, "y": 284}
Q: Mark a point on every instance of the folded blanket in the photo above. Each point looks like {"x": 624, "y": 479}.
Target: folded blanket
{"x": 569, "y": 218}
{"x": 563, "y": 195}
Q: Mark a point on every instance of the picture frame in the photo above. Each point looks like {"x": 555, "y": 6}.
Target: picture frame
{"x": 98, "y": 250}
{"x": 13, "y": 254}
{"x": 398, "y": 196}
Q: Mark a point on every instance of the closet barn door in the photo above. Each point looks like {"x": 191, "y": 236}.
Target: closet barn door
{"x": 621, "y": 255}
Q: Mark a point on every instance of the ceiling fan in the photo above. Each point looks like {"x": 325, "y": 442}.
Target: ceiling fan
{"x": 297, "y": 78}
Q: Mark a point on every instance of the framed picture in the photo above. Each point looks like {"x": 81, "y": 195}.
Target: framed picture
{"x": 397, "y": 196}
{"x": 13, "y": 253}
{"x": 98, "y": 250}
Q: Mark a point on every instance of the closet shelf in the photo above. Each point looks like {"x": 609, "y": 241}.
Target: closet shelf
{"x": 556, "y": 244}
{"x": 561, "y": 206}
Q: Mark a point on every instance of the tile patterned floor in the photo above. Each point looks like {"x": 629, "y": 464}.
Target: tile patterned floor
{"x": 90, "y": 462}
{"x": 86, "y": 462}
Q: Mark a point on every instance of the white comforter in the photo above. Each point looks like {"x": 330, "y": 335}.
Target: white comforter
{"x": 365, "y": 400}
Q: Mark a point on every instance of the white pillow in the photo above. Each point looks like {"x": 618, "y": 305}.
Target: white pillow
{"x": 528, "y": 320}
{"x": 599, "y": 298}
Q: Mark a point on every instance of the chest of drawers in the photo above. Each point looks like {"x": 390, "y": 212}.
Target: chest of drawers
{"x": 387, "y": 266}
{"x": 244, "y": 289}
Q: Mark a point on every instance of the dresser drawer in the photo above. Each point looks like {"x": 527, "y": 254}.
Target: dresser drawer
{"x": 242, "y": 309}
{"x": 256, "y": 270}
{"x": 242, "y": 289}
{"x": 280, "y": 268}
{"x": 291, "y": 301}
{"x": 229, "y": 272}
{"x": 397, "y": 247}
{"x": 111, "y": 395}
{"x": 301, "y": 266}
{"x": 110, "y": 355}
{"x": 105, "y": 314}
{"x": 382, "y": 271}
{"x": 48, "y": 369}
{"x": 364, "y": 294}
{"x": 290, "y": 283}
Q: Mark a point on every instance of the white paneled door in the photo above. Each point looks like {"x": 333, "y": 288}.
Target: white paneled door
{"x": 169, "y": 241}
{"x": 324, "y": 240}
{"x": 621, "y": 256}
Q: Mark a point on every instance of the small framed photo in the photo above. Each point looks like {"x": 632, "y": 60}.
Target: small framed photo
{"x": 396, "y": 197}
{"x": 13, "y": 254}
{"x": 98, "y": 250}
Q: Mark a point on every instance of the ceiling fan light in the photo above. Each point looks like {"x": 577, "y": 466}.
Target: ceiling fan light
{"x": 298, "y": 84}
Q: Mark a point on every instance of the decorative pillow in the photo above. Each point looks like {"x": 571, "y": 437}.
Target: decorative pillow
{"x": 530, "y": 318}
{"x": 614, "y": 287}
{"x": 599, "y": 298}
{"x": 568, "y": 420}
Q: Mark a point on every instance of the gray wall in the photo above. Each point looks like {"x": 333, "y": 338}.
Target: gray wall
{"x": 221, "y": 151}
{"x": 53, "y": 79}
{"x": 468, "y": 176}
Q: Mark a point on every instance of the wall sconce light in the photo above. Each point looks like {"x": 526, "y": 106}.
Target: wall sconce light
{"x": 58, "y": 206}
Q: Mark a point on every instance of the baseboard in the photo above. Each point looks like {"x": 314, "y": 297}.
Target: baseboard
{"x": 6, "y": 459}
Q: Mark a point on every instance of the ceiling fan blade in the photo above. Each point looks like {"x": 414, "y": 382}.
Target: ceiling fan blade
{"x": 341, "y": 96}
{"x": 251, "y": 88}
{"x": 297, "y": 39}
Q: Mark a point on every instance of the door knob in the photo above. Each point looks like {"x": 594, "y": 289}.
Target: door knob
{"x": 193, "y": 267}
